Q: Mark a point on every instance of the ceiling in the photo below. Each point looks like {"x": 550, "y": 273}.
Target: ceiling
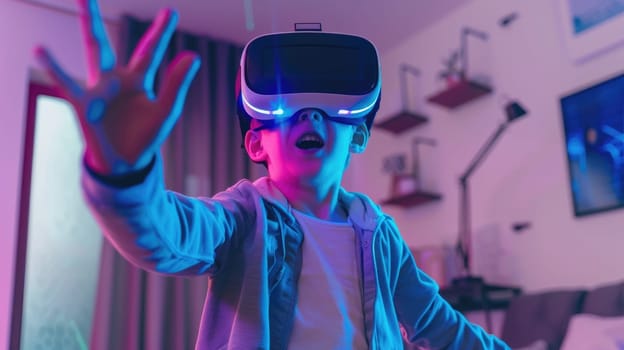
{"x": 385, "y": 22}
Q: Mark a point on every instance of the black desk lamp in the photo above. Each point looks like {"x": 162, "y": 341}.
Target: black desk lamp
{"x": 513, "y": 111}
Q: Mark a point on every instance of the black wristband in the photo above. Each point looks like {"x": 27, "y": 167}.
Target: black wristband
{"x": 124, "y": 180}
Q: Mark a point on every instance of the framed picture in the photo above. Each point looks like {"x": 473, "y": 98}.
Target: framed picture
{"x": 591, "y": 27}
{"x": 594, "y": 136}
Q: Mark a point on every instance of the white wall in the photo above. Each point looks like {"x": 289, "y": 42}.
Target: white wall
{"x": 525, "y": 177}
{"x": 23, "y": 26}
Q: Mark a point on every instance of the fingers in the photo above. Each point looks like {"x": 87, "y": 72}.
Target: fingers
{"x": 69, "y": 86}
{"x": 148, "y": 54}
{"x": 177, "y": 82}
{"x": 100, "y": 54}
{"x": 180, "y": 74}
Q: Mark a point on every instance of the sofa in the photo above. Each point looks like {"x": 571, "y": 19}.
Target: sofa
{"x": 567, "y": 319}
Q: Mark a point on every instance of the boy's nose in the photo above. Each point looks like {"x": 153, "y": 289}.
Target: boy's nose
{"x": 312, "y": 114}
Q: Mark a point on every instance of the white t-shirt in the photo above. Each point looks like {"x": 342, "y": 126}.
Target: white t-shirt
{"x": 328, "y": 314}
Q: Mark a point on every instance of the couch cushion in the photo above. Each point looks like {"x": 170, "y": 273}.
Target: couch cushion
{"x": 605, "y": 301}
{"x": 591, "y": 332}
{"x": 545, "y": 315}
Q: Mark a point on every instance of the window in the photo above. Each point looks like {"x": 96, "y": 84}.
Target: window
{"x": 59, "y": 242}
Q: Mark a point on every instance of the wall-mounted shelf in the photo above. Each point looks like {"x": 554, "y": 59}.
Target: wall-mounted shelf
{"x": 459, "y": 93}
{"x": 412, "y": 199}
{"x": 402, "y": 121}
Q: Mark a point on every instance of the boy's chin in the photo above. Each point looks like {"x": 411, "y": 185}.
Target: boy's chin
{"x": 316, "y": 169}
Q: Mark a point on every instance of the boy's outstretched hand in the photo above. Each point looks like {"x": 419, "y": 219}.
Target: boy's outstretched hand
{"x": 123, "y": 122}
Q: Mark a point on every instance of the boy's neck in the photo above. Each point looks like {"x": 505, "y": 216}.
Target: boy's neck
{"x": 318, "y": 200}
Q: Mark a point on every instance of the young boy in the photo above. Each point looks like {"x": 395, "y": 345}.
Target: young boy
{"x": 295, "y": 260}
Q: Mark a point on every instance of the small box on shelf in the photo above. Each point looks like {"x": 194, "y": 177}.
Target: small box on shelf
{"x": 459, "y": 93}
{"x": 402, "y": 121}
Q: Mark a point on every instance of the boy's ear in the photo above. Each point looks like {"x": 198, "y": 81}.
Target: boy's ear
{"x": 253, "y": 146}
{"x": 360, "y": 139}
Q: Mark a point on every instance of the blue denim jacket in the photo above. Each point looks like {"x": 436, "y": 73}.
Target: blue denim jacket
{"x": 248, "y": 241}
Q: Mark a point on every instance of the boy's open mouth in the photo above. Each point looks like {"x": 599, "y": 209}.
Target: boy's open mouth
{"x": 310, "y": 140}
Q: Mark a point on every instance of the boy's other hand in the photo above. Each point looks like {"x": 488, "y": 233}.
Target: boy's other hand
{"x": 123, "y": 121}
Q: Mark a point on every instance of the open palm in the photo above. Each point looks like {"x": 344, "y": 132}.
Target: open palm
{"x": 122, "y": 120}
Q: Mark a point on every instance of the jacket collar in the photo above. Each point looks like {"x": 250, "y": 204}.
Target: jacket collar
{"x": 363, "y": 212}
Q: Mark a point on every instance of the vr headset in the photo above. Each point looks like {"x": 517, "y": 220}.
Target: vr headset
{"x": 283, "y": 73}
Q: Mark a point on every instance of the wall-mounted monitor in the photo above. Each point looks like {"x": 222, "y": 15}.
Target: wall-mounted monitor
{"x": 593, "y": 123}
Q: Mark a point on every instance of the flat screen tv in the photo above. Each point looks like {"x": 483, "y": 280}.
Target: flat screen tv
{"x": 593, "y": 123}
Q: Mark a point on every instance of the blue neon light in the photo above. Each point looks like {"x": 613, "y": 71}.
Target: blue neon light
{"x": 356, "y": 111}
{"x": 278, "y": 111}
